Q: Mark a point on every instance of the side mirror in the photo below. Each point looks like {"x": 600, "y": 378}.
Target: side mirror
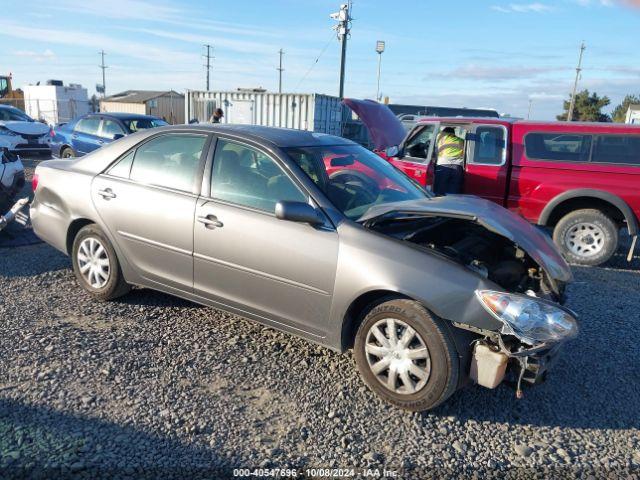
{"x": 298, "y": 212}
{"x": 392, "y": 151}
{"x": 117, "y": 136}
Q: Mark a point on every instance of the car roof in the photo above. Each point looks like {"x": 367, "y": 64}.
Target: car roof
{"x": 123, "y": 115}
{"x": 531, "y": 123}
{"x": 279, "y": 137}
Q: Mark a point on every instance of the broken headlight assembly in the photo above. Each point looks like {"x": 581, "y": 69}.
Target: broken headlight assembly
{"x": 530, "y": 319}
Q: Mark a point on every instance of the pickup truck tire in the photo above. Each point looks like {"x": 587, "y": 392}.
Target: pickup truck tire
{"x": 96, "y": 265}
{"x": 406, "y": 355}
{"x": 586, "y": 237}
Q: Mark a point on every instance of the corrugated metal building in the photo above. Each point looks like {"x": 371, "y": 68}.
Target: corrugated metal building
{"x": 165, "y": 104}
{"x": 314, "y": 112}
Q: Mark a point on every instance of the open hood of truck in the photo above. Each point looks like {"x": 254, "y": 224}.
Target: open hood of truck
{"x": 488, "y": 214}
{"x": 26, "y": 128}
{"x": 384, "y": 127}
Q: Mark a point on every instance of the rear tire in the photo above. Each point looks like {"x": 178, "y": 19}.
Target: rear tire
{"x": 417, "y": 374}
{"x": 67, "y": 152}
{"x": 586, "y": 237}
{"x": 96, "y": 265}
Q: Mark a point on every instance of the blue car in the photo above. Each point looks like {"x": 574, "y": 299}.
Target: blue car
{"x": 88, "y": 133}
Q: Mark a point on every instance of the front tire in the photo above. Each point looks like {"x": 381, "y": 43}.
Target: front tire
{"x": 96, "y": 265}
{"x": 586, "y": 237}
{"x": 406, "y": 355}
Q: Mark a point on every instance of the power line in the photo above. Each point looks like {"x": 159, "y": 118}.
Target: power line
{"x": 572, "y": 104}
{"x": 315, "y": 62}
{"x": 280, "y": 70}
{"x": 103, "y": 67}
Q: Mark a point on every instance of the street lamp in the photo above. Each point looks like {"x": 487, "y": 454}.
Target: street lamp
{"x": 379, "y": 49}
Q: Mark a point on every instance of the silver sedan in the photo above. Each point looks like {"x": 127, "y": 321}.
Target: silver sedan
{"x": 319, "y": 237}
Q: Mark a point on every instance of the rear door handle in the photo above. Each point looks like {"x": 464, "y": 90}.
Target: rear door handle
{"x": 107, "y": 194}
{"x": 210, "y": 222}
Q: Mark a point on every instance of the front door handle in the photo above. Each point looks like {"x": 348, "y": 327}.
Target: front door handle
{"x": 210, "y": 222}
{"x": 107, "y": 194}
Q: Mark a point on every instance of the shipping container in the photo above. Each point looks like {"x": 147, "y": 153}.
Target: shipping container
{"x": 314, "y": 112}
{"x": 55, "y": 103}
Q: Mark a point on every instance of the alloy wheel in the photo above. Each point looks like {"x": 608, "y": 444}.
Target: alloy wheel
{"x": 585, "y": 239}
{"x": 93, "y": 262}
{"x": 398, "y": 356}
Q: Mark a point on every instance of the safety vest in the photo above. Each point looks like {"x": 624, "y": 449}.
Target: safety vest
{"x": 450, "y": 146}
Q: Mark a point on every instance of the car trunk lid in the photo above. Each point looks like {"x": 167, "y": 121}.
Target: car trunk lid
{"x": 384, "y": 127}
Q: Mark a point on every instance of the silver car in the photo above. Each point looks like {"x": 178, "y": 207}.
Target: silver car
{"x": 317, "y": 236}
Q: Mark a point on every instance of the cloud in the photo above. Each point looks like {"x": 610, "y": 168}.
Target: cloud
{"x": 118, "y": 9}
{"x": 37, "y": 56}
{"x": 523, "y": 8}
{"x": 123, "y": 47}
{"x": 496, "y": 73}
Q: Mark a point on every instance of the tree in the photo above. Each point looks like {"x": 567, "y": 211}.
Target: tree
{"x": 588, "y": 108}
{"x": 619, "y": 114}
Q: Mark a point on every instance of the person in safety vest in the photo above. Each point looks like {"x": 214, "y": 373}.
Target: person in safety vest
{"x": 449, "y": 171}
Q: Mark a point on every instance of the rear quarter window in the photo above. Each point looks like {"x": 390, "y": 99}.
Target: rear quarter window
{"x": 558, "y": 146}
{"x": 622, "y": 149}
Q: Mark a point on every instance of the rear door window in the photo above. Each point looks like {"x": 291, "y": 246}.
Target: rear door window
{"x": 90, "y": 126}
{"x": 624, "y": 149}
{"x": 562, "y": 147}
{"x": 489, "y": 145}
{"x": 110, "y": 129}
{"x": 170, "y": 161}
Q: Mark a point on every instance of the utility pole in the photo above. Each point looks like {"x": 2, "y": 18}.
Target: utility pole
{"x": 379, "y": 49}
{"x": 530, "y": 104}
{"x": 280, "y": 70}
{"x": 343, "y": 28}
{"x": 208, "y": 64}
{"x": 572, "y": 104}
{"x": 103, "y": 67}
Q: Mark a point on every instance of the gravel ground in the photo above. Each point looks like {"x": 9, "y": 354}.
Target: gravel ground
{"x": 151, "y": 386}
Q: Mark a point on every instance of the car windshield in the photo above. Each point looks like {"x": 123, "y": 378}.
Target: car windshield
{"x": 354, "y": 178}
{"x": 12, "y": 114}
{"x": 136, "y": 124}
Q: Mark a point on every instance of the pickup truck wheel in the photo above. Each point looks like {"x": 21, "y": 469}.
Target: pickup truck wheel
{"x": 586, "y": 237}
{"x": 96, "y": 265}
{"x": 67, "y": 152}
{"x": 406, "y": 355}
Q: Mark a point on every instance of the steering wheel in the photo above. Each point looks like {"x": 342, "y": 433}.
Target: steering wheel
{"x": 366, "y": 188}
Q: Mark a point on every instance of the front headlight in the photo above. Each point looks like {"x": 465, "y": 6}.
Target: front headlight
{"x": 531, "y": 320}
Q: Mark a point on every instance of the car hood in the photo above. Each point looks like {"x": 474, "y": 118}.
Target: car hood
{"x": 491, "y": 216}
{"x": 26, "y": 128}
{"x": 384, "y": 127}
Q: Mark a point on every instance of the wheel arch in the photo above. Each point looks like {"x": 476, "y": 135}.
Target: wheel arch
{"x": 74, "y": 227}
{"x": 578, "y": 199}
{"x": 354, "y": 314}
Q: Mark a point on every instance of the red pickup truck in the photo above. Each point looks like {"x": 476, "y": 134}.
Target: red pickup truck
{"x": 580, "y": 179}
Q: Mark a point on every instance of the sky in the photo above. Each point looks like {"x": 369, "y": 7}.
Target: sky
{"x": 497, "y": 54}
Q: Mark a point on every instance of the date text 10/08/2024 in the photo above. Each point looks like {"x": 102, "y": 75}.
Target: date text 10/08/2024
{"x": 316, "y": 473}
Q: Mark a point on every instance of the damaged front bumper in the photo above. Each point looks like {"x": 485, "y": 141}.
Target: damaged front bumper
{"x": 493, "y": 361}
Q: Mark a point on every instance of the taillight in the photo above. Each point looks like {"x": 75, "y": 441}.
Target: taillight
{"x": 34, "y": 182}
